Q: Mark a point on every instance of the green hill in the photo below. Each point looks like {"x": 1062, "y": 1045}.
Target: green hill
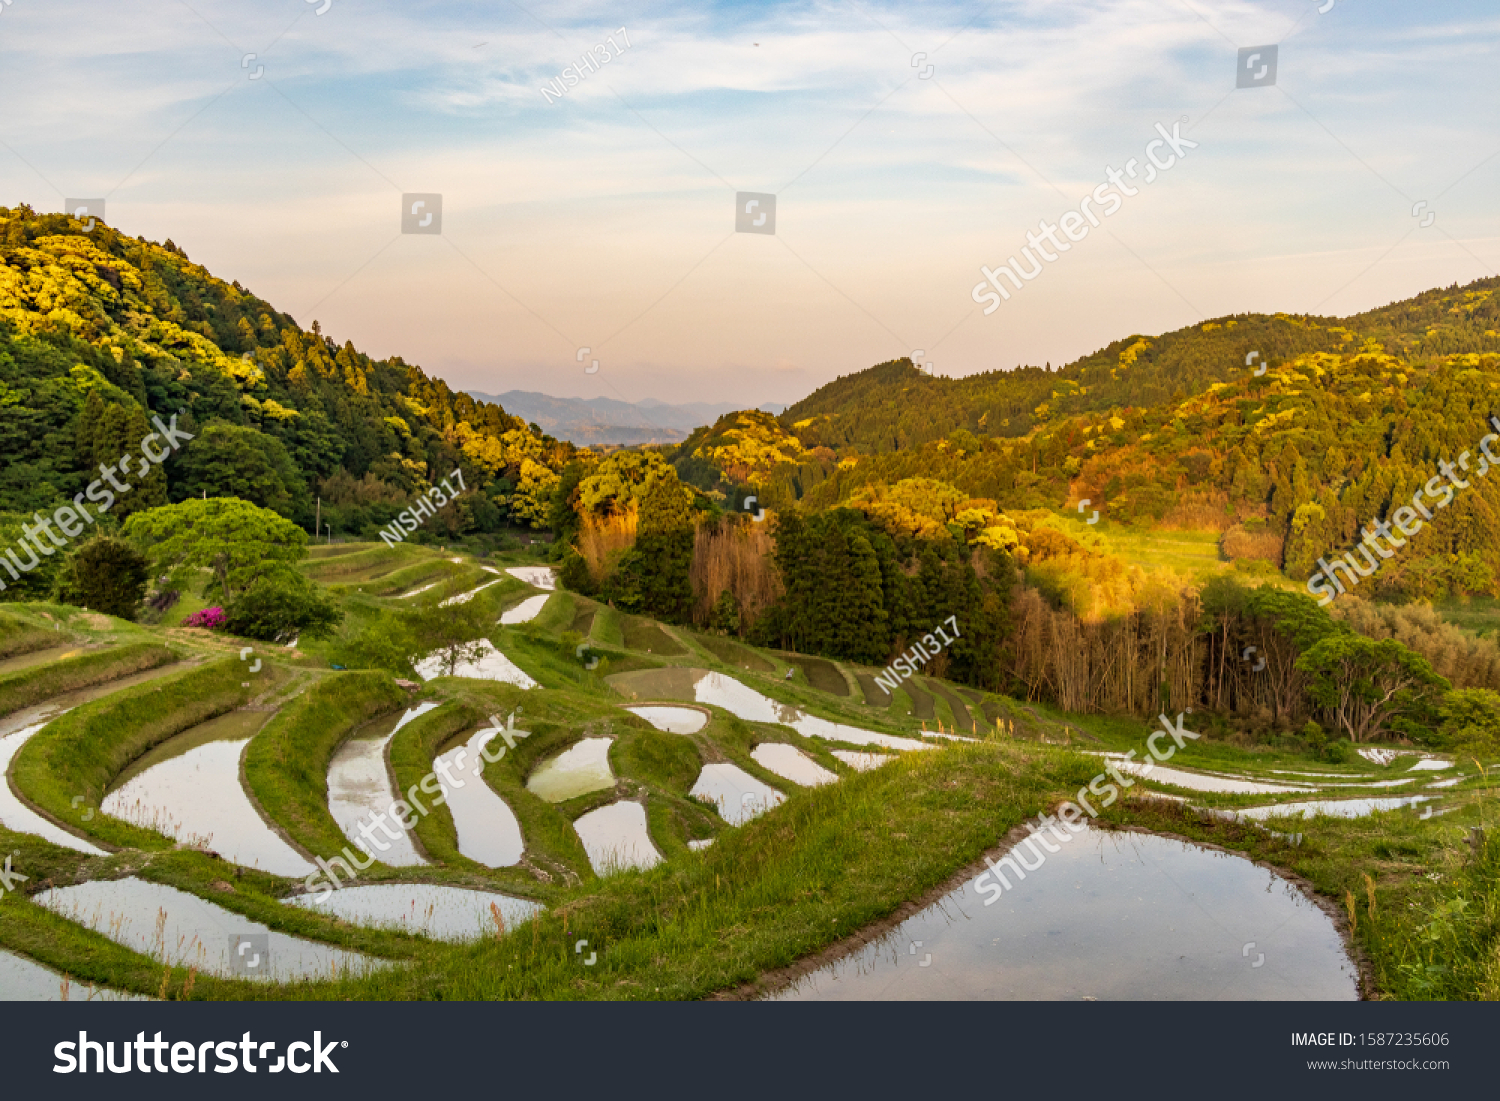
{"x": 98, "y": 331}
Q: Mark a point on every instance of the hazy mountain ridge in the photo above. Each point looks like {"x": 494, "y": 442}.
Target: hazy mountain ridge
{"x": 590, "y": 421}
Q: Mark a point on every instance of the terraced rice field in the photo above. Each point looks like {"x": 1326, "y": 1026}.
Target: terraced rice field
{"x": 338, "y": 826}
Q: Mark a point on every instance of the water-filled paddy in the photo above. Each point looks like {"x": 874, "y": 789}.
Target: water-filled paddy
{"x": 790, "y": 763}
{"x": 464, "y": 598}
{"x": 581, "y": 768}
{"x": 702, "y": 686}
{"x": 615, "y": 837}
{"x": 738, "y": 795}
{"x": 1110, "y": 916}
{"x": 16, "y": 815}
{"x": 538, "y": 577}
{"x": 189, "y": 789}
{"x": 525, "y": 611}
{"x": 1199, "y": 781}
{"x": 443, "y": 913}
{"x": 486, "y": 663}
{"x": 1336, "y": 808}
{"x": 167, "y": 924}
{"x": 862, "y": 762}
{"x": 488, "y": 832}
{"x": 22, "y": 980}
{"x": 674, "y": 720}
{"x": 360, "y": 787}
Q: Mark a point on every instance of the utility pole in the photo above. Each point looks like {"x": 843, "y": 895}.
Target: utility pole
{"x": 318, "y": 523}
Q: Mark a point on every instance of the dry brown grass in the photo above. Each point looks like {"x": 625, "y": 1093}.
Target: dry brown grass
{"x": 734, "y": 555}
{"x": 604, "y": 541}
{"x": 1239, "y": 543}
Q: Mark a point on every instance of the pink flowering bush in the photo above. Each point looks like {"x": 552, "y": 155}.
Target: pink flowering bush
{"x": 211, "y": 618}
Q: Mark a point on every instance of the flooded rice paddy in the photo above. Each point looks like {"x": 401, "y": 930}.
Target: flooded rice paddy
{"x": 538, "y": 577}
{"x": 525, "y": 611}
{"x": 790, "y": 763}
{"x": 615, "y": 838}
{"x": 488, "y": 832}
{"x": 443, "y": 913}
{"x": 581, "y": 768}
{"x": 674, "y": 720}
{"x": 22, "y": 980}
{"x": 360, "y": 786}
{"x": 16, "y": 815}
{"x": 739, "y": 699}
{"x": 1334, "y": 808}
{"x": 189, "y": 789}
{"x": 484, "y": 663}
{"x": 172, "y": 926}
{"x": 464, "y": 598}
{"x": 1199, "y": 781}
{"x": 863, "y": 762}
{"x": 738, "y": 795}
{"x": 1110, "y": 916}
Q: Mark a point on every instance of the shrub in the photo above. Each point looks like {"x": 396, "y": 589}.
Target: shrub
{"x": 106, "y": 575}
{"x": 210, "y": 619}
{"x": 284, "y": 607}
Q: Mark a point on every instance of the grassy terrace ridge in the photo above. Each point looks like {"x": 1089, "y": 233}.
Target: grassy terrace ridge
{"x": 1424, "y": 907}
{"x": 785, "y": 885}
{"x": 81, "y": 752}
{"x": 82, "y": 670}
{"x": 22, "y": 636}
{"x": 286, "y": 764}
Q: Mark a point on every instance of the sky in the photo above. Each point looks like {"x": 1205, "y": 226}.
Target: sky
{"x": 906, "y": 147}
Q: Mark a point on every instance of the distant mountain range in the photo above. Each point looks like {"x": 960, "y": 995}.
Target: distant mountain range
{"x": 585, "y": 421}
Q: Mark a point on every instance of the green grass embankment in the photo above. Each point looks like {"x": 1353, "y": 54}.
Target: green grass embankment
{"x": 42, "y": 682}
{"x": 78, "y": 754}
{"x": 286, "y": 764}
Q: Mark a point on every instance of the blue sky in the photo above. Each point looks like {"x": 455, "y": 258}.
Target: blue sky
{"x": 605, "y": 219}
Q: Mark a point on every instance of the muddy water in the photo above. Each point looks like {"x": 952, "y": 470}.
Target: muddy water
{"x": 22, "y": 980}
{"x": 189, "y": 789}
{"x": 38, "y": 657}
{"x": 538, "y": 577}
{"x": 488, "y": 663}
{"x": 443, "y": 913}
{"x": 360, "y": 787}
{"x": 615, "y": 838}
{"x": 419, "y": 592}
{"x": 701, "y": 686}
{"x": 674, "y": 720}
{"x": 863, "y": 762}
{"x": 581, "y": 768}
{"x": 488, "y": 832}
{"x": 163, "y": 922}
{"x": 1109, "y": 917}
{"x": 1336, "y": 808}
{"x": 790, "y": 763}
{"x": 525, "y": 611}
{"x": 738, "y": 795}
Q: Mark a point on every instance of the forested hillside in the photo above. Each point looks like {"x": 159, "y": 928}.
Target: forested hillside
{"x": 99, "y": 331}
